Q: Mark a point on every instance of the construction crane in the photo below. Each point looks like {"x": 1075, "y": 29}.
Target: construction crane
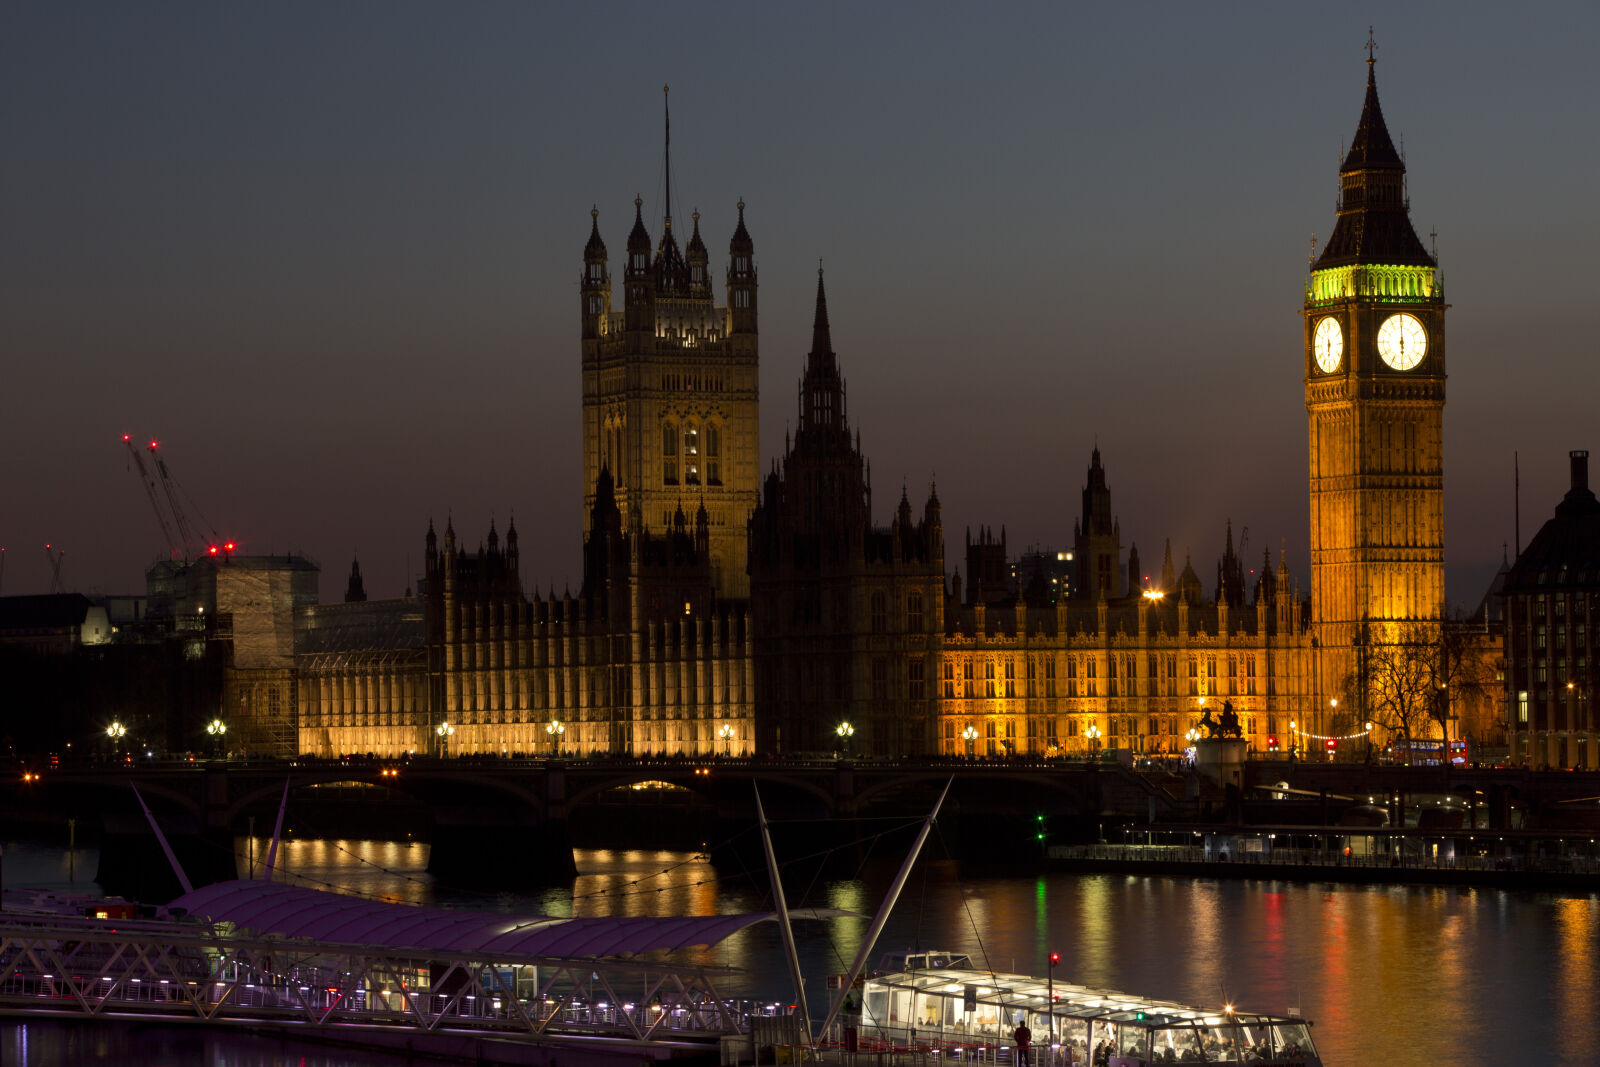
{"x": 174, "y": 547}
{"x": 184, "y": 539}
{"x": 55, "y": 556}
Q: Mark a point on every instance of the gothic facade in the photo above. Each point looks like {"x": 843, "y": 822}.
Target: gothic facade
{"x": 670, "y": 390}
{"x": 1374, "y": 346}
{"x": 847, "y": 614}
{"x": 722, "y": 615}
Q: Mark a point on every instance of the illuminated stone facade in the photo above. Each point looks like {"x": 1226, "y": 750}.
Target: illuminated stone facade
{"x": 670, "y": 388}
{"x": 1375, "y": 390}
{"x": 1031, "y": 674}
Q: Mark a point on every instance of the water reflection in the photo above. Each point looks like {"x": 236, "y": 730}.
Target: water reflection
{"x": 55, "y": 1044}
{"x": 1392, "y": 975}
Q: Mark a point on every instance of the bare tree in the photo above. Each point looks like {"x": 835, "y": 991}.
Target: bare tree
{"x": 1412, "y": 672}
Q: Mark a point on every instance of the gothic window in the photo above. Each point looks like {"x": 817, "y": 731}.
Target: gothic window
{"x": 914, "y": 613}
{"x": 988, "y": 679}
{"x": 880, "y": 680}
{"x": 949, "y": 680}
{"x": 914, "y": 678}
{"x": 879, "y": 613}
{"x": 1194, "y": 676}
{"x": 1032, "y": 688}
{"x": 691, "y": 455}
{"x": 713, "y": 454}
{"x": 1050, "y": 730}
{"x": 966, "y": 678}
{"x": 1011, "y": 679}
{"x": 1250, "y": 676}
{"x": 669, "y": 453}
{"x": 1050, "y": 676}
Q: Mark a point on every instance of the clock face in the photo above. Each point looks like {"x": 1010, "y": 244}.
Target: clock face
{"x": 1328, "y": 345}
{"x": 1402, "y": 341}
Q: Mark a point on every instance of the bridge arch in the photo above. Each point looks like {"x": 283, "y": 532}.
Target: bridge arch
{"x": 410, "y": 784}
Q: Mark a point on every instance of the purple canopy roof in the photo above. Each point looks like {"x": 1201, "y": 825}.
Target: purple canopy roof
{"x": 293, "y": 911}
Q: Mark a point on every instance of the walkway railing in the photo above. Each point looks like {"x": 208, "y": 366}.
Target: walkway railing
{"x": 1402, "y": 858}
{"x": 65, "y": 965}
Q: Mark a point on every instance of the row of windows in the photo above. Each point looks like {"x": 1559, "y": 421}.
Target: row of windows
{"x": 692, "y": 458}
{"x": 879, "y": 612}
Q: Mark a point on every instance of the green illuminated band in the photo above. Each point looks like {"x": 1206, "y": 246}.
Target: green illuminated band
{"x": 1398, "y": 285}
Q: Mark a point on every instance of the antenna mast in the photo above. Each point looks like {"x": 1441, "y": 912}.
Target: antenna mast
{"x": 666, "y": 166}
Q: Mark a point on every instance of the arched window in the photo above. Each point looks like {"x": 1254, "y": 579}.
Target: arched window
{"x": 669, "y": 454}
{"x": 691, "y": 455}
{"x": 879, "y": 613}
{"x": 713, "y": 454}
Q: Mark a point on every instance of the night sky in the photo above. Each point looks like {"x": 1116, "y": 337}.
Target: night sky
{"x": 328, "y": 254}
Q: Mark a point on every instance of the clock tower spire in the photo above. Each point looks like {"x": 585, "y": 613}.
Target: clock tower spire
{"x": 1375, "y": 389}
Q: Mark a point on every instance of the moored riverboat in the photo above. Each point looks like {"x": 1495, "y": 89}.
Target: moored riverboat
{"x": 968, "y": 1013}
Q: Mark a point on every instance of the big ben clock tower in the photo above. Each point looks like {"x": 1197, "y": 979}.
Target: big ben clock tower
{"x": 1374, "y": 378}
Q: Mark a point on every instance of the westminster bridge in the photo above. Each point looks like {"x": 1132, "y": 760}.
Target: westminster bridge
{"x": 514, "y": 821}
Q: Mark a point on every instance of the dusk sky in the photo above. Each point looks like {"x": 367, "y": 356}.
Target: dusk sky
{"x": 328, "y": 254}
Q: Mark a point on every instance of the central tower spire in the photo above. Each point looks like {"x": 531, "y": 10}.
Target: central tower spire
{"x": 666, "y": 164}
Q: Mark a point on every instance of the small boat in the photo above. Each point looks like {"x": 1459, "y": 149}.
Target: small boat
{"x": 962, "y": 1011}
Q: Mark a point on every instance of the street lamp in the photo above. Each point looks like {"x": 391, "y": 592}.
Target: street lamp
{"x": 216, "y": 728}
{"x": 1050, "y": 996}
{"x": 845, "y": 732}
{"x": 1093, "y": 734}
{"x": 725, "y": 731}
{"x": 970, "y": 735}
{"x": 444, "y": 730}
{"x": 555, "y": 728}
{"x": 1369, "y": 742}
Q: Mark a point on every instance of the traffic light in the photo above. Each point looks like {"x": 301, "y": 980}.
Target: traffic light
{"x": 1332, "y": 743}
{"x": 1039, "y": 828}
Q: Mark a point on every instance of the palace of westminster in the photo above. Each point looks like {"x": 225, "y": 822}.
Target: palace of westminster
{"x": 723, "y": 612}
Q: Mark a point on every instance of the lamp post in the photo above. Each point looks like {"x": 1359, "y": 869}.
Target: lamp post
{"x": 970, "y": 735}
{"x": 1093, "y": 734}
{"x": 116, "y": 731}
{"x": 1050, "y": 1001}
{"x": 845, "y": 732}
{"x": 444, "y": 730}
{"x": 216, "y": 728}
{"x": 1294, "y": 742}
{"x": 555, "y": 728}
{"x": 725, "y": 731}
{"x": 1369, "y": 742}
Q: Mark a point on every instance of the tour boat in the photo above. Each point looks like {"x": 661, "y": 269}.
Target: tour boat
{"x": 939, "y": 1001}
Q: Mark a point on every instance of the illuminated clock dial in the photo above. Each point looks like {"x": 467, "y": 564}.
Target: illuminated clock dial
{"x": 1328, "y": 345}
{"x": 1402, "y": 341}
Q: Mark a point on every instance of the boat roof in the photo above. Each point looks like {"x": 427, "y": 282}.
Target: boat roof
{"x": 296, "y": 911}
{"x": 1071, "y": 1001}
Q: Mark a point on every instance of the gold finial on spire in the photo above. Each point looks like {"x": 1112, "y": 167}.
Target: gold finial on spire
{"x": 1372, "y": 47}
{"x": 819, "y": 266}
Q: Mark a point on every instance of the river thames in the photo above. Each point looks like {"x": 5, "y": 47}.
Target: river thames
{"x": 1391, "y": 976}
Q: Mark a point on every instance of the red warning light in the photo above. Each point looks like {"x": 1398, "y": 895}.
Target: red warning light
{"x": 1055, "y": 958}
{"x": 1332, "y": 743}
{"x": 126, "y": 438}
{"x": 213, "y": 550}
{"x": 228, "y": 546}
{"x": 152, "y": 446}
